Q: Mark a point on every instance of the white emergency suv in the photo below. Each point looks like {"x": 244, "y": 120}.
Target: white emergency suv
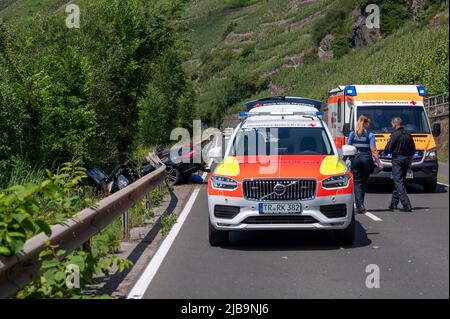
{"x": 281, "y": 170}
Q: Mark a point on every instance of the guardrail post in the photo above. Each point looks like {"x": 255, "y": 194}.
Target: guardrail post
{"x": 87, "y": 245}
{"x": 126, "y": 225}
{"x": 148, "y": 201}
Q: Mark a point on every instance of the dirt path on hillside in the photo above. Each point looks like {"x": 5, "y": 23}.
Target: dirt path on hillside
{"x": 63, "y": 5}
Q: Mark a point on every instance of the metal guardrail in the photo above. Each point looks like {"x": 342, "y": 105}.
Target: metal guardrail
{"x": 19, "y": 270}
{"x": 437, "y": 106}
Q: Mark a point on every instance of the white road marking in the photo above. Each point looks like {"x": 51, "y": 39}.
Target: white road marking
{"x": 372, "y": 216}
{"x": 149, "y": 273}
{"x": 378, "y": 219}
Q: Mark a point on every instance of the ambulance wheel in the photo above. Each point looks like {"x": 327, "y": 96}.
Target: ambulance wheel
{"x": 346, "y": 237}
{"x": 217, "y": 237}
{"x": 430, "y": 187}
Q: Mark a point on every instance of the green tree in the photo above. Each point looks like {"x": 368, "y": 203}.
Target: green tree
{"x": 76, "y": 93}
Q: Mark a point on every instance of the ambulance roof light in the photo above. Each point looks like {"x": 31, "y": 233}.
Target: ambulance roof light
{"x": 350, "y": 90}
{"x": 243, "y": 115}
{"x": 422, "y": 91}
{"x": 282, "y": 113}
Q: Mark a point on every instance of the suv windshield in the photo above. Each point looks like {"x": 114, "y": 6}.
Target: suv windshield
{"x": 281, "y": 141}
{"x": 413, "y": 117}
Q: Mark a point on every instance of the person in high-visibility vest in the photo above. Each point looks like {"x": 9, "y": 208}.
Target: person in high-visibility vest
{"x": 362, "y": 164}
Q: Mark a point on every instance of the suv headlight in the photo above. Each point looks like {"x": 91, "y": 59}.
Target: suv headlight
{"x": 431, "y": 155}
{"x": 336, "y": 181}
{"x": 223, "y": 182}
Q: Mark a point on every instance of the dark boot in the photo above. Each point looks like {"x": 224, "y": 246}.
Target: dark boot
{"x": 392, "y": 207}
{"x": 407, "y": 209}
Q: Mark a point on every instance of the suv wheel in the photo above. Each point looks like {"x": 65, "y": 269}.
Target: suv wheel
{"x": 173, "y": 175}
{"x": 346, "y": 237}
{"x": 217, "y": 237}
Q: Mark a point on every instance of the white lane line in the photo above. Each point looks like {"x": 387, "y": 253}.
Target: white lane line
{"x": 446, "y": 185}
{"x": 146, "y": 278}
{"x": 372, "y": 216}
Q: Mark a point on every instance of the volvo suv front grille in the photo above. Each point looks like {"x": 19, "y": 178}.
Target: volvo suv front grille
{"x": 280, "y": 189}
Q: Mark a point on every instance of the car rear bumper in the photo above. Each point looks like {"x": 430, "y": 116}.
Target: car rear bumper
{"x": 313, "y": 215}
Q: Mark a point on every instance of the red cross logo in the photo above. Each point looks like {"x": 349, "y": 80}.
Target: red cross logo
{"x": 413, "y": 102}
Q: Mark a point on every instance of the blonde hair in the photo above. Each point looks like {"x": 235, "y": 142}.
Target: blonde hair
{"x": 360, "y": 125}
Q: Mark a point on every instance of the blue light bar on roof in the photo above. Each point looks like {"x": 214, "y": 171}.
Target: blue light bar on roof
{"x": 350, "y": 90}
{"x": 243, "y": 114}
{"x": 320, "y": 114}
{"x": 422, "y": 91}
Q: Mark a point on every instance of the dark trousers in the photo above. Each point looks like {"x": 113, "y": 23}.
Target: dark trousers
{"x": 361, "y": 169}
{"x": 400, "y": 165}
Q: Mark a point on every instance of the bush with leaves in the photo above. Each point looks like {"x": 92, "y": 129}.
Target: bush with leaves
{"x": 29, "y": 209}
{"x": 56, "y": 281}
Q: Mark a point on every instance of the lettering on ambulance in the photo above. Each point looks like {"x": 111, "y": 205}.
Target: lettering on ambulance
{"x": 389, "y": 96}
{"x": 424, "y": 143}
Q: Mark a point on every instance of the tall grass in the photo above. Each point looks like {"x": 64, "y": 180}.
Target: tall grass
{"x": 20, "y": 172}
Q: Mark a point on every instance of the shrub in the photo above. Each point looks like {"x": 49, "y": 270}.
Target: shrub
{"x": 167, "y": 222}
{"x": 248, "y": 50}
{"x": 218, "y": 61}
{"x": 29, "y": 209}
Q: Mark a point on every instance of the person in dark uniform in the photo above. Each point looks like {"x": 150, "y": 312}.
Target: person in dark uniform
{"x": 401, "y": 146}
{"x": 362, "y": 164}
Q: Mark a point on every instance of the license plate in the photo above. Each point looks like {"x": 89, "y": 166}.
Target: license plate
{"x": 409, "y": 174}
{"x": 280, "y": 208}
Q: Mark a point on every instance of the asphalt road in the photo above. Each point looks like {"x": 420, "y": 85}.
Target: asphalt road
{"x": 410, "y": 249}
{"x": 443, "y": 173}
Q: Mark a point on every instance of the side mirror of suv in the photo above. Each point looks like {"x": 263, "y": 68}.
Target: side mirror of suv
{"x": 215, "y": 153}
{"x": 346, "y": 129}
{"x": 436, "y": 129}
{"x": 349, "y": 151}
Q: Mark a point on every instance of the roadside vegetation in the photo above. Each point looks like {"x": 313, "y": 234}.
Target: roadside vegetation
{"x": 72, "y": 99}
{"x": 167, "y": 222}
{"x": 32, "y": 208}
{"x": 64, "y": 96}
{"x": 443, "y": 154}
